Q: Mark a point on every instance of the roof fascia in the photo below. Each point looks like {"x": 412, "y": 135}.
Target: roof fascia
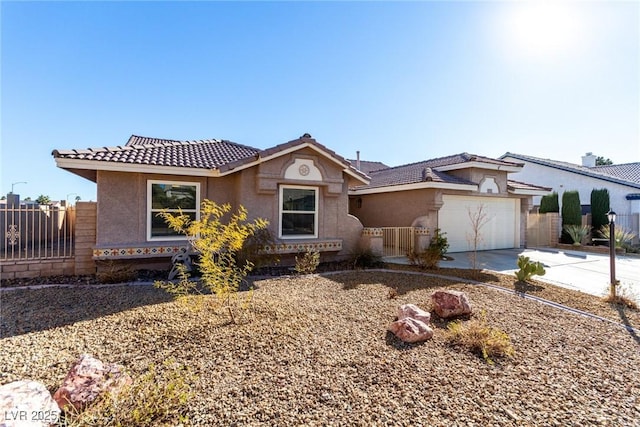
{"x": 479, "y": 165}
{"x": 414, "y": 186}
{"x": 133, "y": 167}
{"x": 529, "y": 192}
{"x": 292, "y": 149}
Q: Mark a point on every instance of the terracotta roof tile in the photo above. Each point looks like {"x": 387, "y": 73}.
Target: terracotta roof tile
{"x": 203, "y": 154}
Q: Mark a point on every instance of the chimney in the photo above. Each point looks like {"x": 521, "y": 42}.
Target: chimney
{"x": 589, "y": 160}
{"x": 358, "y": 159}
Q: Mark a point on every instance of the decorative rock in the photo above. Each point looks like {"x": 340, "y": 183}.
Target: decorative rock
{"x": 413, "y": 311}
{"x": 411, "y": 330}
{"x": 450, "y": 303}
{"x": 88, "y": 379}
{"x": 27, "y": 403}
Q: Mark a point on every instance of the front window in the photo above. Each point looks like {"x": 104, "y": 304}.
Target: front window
{"x": 298, "y": 212}
{"x": 174, "y": 197}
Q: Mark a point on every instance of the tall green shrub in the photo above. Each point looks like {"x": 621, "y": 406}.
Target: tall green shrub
{"x": 571, "y": 213}
{"x": 599, "y": 208}
{"x": 549, "y": 203}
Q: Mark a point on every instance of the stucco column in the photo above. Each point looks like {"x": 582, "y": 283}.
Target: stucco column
{"x": 372, "y": 239}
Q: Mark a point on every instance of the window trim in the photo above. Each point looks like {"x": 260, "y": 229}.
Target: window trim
{"x": 281, "y": 211}
{"x": 150, "y": 211}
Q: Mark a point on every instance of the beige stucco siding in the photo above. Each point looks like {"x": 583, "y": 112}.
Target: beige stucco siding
{"x": 396, "y": 209}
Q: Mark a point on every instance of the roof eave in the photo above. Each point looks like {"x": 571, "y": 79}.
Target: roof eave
{"x": 479, "y": 165}
{"x": 413, "y": 186}
{"x": 97, "y": 165}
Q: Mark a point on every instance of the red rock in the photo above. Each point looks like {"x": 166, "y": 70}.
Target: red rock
{"x": 27, "y": 403}
{"x": 413, "y": 311}
{"x": 411, "y": 330}
{"x": 450, "y": 303}
{"x": 88, "y": 379}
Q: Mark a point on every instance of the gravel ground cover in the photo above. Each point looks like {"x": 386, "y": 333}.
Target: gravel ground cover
{"x": 315, "y": 351}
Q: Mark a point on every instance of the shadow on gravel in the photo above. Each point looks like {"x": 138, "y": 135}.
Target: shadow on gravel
{"x": 401, "y": 285}
{"x": 625, "y": 321}
{"x": 32, "y": 310}
{"x": 398, "y": 344}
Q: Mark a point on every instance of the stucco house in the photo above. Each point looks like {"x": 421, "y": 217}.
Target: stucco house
{"x": 443, "y": 192}
{"x": 300, "y": 187}
{"x": 622, "y": 181}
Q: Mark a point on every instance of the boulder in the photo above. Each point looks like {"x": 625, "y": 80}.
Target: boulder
{"x": 88, "y": 379}
{"x": 411, "y": 330}
{"x": 27, "y": 403}
{"x": 448, "y": 304}
{"x": 413, "y": 311}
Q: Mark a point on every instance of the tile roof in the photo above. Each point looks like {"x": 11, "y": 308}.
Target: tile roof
{"x": 517, "y": 185}
{"x": 624, "y": 174}
{"x": 426, "y": 170}
{"x": 217, "y": 154}
{"x": 202, "y": 154}
{"x": 367, "y": 166}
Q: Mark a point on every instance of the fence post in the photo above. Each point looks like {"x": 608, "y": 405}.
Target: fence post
{"x": 85, "y": 237}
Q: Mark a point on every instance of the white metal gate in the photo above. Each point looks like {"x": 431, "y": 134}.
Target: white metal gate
{"x": 397, "y": 241}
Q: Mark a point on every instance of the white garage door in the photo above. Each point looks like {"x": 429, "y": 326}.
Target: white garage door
{"x": 502, "y": 228}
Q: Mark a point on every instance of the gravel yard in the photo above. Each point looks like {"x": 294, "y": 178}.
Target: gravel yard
{"x": 316, "y": 352}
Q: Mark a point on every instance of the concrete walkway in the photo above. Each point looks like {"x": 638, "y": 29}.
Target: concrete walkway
{"x": 583, "y": 271}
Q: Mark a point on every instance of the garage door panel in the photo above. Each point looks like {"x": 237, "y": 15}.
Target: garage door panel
{"x": 501, "y": 229}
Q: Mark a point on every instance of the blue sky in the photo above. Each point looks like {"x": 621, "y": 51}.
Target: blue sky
{"x": 398, "y": 81}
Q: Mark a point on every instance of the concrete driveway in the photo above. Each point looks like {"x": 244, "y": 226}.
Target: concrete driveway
{"x": 583, "y": 271}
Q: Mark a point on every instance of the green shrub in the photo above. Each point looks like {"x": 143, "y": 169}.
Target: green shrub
{"x": 308, "y": 262}
{"x": 622, "y": 236}
{"x": 365, "y": 258}
{"x": 439, "y": 241}
{"x": 571, "y": 213}
{"x": 577, "y": 233}
{"x": 478, "y": 336}
{"x": 426, "y": 259}
{"x": 528, "y": 269}
{"x": 599, "y": 208}
{"x": 430, "y": 257}
{"x": 549, "y": 203}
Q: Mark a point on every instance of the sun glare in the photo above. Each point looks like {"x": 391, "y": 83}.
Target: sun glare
{"x": 541, "y": 30}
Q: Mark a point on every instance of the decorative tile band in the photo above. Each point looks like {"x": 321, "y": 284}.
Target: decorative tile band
{"x": 372, "y": 232}
{"x": 424, "y": 231}
{"x": 133, "y": 252}
{"x": 283, "y": 248}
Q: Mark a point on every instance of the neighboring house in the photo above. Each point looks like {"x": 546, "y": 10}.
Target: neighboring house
{"x": 300, "y": 187}
{"x": 443, "y": 193}
{"x": 622, "y": 181}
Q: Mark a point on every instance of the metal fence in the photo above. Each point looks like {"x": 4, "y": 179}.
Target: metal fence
{"x": 32, "y": 231}
{"x": 398, "y": 241}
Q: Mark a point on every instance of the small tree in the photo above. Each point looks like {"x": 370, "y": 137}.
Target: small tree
{"x": 549, "y": 203}
{"x": 599, "y": 208}
{"x": 218, "y": 244}
{"x": 43, "y": 200}
{"x": 479, "y": 218}
{"x": 571, "y": 213}
{"x": 601, "y": 161}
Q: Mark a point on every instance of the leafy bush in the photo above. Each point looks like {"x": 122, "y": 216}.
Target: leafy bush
{"x": 599, "y": 208}
{"x": 528, "y": 269}
{"x": 549, "y": 203}
{"x": 577, "y": 233}
{"x": 218, "y": 244}
{"x": 439, "y": 241}
{"x": 478, "y": 336}
{"x": 430, "y": 257}
{"x": 622, "y": 236}
{"x": 571, "y": 213}
{"x": 308, "y": 262}
{"x": 158, "y": 397}
{"x": 426, "y": 259}
{"x": 365, "y": 258}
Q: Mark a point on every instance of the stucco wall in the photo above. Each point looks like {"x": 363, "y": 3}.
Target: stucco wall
{"x": 561, "y": 181}
{"x": 122, "y": 200}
